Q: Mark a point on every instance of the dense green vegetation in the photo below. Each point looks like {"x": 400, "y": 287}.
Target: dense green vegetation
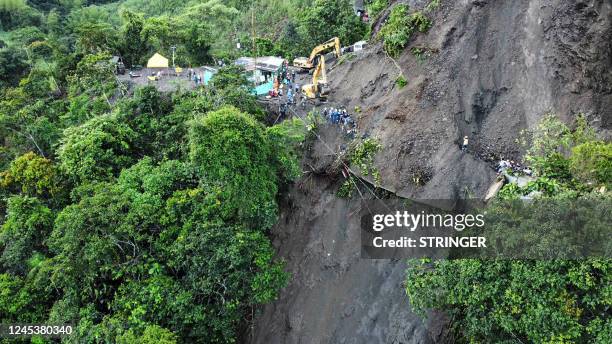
{"x": 143, "y": 217}
{"x": 535, "y": 301}
{"x": 139, "y": 216}
{"x": 147, "y": 220}
{"x": 399, "y": 28}
{"x": 201, "y": 31}
{"x": 375, "y": 7}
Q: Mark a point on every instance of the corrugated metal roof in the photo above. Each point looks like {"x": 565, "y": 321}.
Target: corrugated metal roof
{"x": 266, "y": 63}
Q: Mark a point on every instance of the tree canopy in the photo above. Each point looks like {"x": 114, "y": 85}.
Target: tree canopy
{"x": 544, "y": 300}
{"x": 136, "y": 215}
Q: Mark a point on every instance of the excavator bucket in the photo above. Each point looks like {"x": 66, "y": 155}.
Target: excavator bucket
{"x": 323, "y": 90}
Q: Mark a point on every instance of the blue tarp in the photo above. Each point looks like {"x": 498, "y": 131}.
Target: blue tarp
{"x": 264, "y": 88}
{"x": 207, "y": 76}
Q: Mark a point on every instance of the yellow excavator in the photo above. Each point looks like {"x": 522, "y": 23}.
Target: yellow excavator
{"x": 310, "y": 62}
{"x": 319, "y": 87}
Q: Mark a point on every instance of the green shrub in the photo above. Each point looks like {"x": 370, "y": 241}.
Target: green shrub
{"x": 401, "y": 81}
{"x": 362, "y": 156}
{"x": 510, "y": 191}
{"x": 568, "y": 156}
{"x": 376, "y": 7}
{"x": 549, "y": 137}
{"x": 591, "y": 162}
{"x": 555, "y": 166}
{"x": 346, "y": 189}
{"x": 396, "y": 32}
{"x": 419, "y": 53}
{"x": 399, "y": 28}
{"x": 286, "y": 138}
{"x": 419, "y": 21}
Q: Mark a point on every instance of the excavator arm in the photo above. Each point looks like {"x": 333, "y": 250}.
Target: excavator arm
{"x": 332, "y": 43}
{"x": 320, "y": 75}
{"x": 319, "y": 87}
{"x": 309, "y": 63}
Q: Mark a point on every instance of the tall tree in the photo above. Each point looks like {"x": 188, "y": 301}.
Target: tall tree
{"x": 328, "y": 18}
{"x": 233, "y": 151}
{"x": 97, "y": 149}
{"x": 133, "y": 45}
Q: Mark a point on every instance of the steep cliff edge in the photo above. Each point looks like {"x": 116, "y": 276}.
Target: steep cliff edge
{"x": 493, "y": 68}
{"x": 334, "y": 296}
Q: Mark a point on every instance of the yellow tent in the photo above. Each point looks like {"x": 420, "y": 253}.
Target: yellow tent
{"x": 157, "y": 61}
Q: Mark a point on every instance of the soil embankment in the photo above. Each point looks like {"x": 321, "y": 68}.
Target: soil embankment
{"x": 491, "y": 69}
{"x": 334, "y": 296}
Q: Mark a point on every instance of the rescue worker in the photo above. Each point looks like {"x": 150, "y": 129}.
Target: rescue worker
{"x": 503, "y": 165}
{"x": 290, "y": 96}
{"x": 465, "y": 144}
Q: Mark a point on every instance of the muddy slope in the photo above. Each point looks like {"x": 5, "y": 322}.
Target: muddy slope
{"x": 494, "y": 69}
{"x": 334, "y": 296}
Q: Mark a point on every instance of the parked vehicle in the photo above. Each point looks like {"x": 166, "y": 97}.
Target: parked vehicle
{"x": 360, "y": 46}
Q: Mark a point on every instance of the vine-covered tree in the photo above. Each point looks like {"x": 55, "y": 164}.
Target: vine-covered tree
{"x": 233, "y": 151}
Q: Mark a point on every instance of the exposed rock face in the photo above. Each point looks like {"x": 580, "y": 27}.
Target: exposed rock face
{"x": 334, "y": 296}
{"x": 494, "y": 68}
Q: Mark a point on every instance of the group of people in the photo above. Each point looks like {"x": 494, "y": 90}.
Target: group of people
{"x": 516, "y": 168}
{"x": 342, "y": 117}
{"x": 363, "y": 14}
{"x": 293, "y": 93}
{"x": 293, "y": 88}
{"x": 197, "y": 78}
{"x": 285, "y": 84}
